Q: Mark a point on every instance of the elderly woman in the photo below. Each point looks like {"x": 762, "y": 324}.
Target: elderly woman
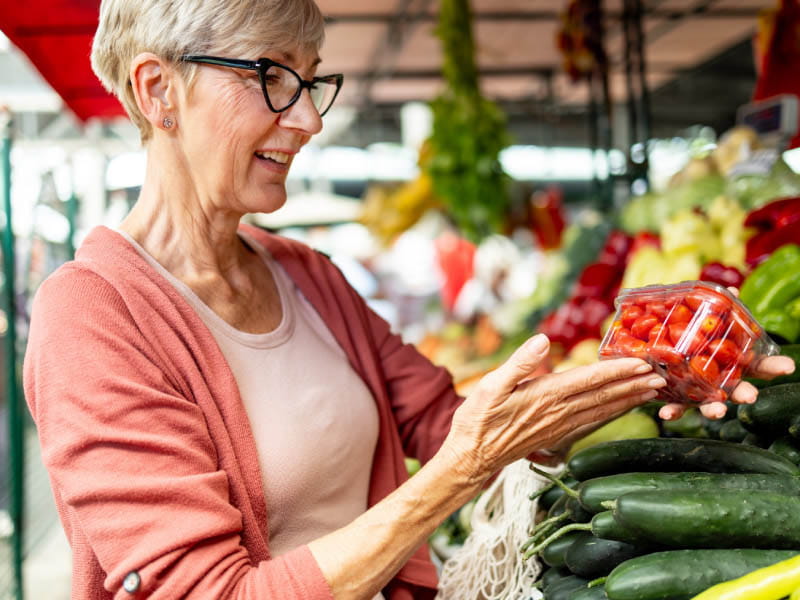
{"x": 220, "y": 413}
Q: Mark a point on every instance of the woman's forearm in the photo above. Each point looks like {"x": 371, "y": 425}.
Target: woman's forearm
{"x": 362, "y": 557}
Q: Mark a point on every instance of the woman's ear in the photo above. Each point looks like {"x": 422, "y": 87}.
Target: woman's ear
{"x": 154, "y": 86}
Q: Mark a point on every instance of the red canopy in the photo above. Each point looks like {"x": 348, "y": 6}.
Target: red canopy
{"x": 56, "y": 35}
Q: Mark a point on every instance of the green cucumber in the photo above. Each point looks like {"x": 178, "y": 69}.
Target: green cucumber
{"x": 593, "y": 492}
{"x": 733, "y": 431}
{"x": 721, "y": 519}
{"x": 772, "y": 413}
{"x": 793, "y": 352}
{"x": 553, "y": 574}
{"x": 675, "y": 454}
{"x": 554, "y": 492}
{"x": 787, "y": 447}
{"x": 682, "y": 574}
{"x": 564, "y": 588}
{"x": 591, "y": 557}
{"x": 553, "y": 555}
{"x": 596, "y": 592}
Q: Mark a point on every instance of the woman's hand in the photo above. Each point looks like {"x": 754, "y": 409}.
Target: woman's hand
{"x": 768, "y": 367}
{"x": 509, "y": 414}
{"x": 745, "y": 393}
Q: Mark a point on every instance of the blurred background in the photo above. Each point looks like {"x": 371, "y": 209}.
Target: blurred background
{"x": 633, "y": 134}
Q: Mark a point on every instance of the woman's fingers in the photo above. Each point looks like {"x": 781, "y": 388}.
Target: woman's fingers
{"x": 635, "y": 387}
{"x": 744, "y": 393}
{"x": 773, "y": 366}
{"x": 594, "y": 376}
{"x": 671, "y": 411}
{"x": 713, "y": 410}
{"x": 518, "y": 366}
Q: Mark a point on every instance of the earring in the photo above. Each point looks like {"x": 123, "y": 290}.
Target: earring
{"x": 167, "y": 123}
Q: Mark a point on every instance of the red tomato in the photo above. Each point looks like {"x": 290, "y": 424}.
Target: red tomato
{"x": 742, "y": 331}
{"x": 731, "y": 376}
{"x": 629, "y": 345}
{"x": 664, "y": 354}
{"x": 713, "y": 301}
{"x": 725, "y": 352}
{"x": 657, "y": 308}
{"x": 679, "y": 314}
{"x": 676, "y": 333}
{"x": 630, "y": 314}
{"x": 657, "y": 333}
{"x": 705, "y": 366}
{"x": 710, "y": 325}
{"x": 641, "y": 327}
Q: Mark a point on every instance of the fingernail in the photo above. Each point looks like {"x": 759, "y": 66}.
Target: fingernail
{"x": 649, "y": 395}
{"x": 645, "y": 368}
{"x": 656, "y": 382}
{"x": 537, "y": 344}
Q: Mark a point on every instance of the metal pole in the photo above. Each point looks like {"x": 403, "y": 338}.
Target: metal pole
{"x": 16, "y": 415}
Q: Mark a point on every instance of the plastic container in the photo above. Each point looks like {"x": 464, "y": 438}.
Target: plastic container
{"x": 696, "y": 334}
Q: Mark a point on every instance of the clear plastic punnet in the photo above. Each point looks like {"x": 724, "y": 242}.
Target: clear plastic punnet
{"x": 696, "y": 334}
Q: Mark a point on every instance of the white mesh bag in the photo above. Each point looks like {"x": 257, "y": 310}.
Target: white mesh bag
{"x": 489, "y": 565}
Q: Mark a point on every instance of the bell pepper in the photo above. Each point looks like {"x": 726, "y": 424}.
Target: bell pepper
{"x": 760, "y": 246}
{"x": 770, "y": 583}
{"x": 779, "y": 322}
{"x": 775, "y": 214}
{"x": 774, "y": 283}
{"x": 718, "y": 273}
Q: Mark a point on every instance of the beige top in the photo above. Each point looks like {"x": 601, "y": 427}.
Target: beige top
{"x": 314, "y": 420}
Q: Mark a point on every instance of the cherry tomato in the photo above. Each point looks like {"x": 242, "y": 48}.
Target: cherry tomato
{"x": 731, "y": 376}
{"x": 705, "y": 366}
{"x": 641, "y": 327}
{"x": 630, "y": 314}
{"x": 664, "y": 354}
{"x": 629, "y": 345}
{"x": 657, "y": 308}
{"x": 676, "y": 334}
{"x": 680, "y": 313}
{"x": 711, "y": 300}
{"x": 742, "y": 331}
{"x": 657, "y": 333}
{"x": 710, "y": 325}
{"x": 725, "y": 352}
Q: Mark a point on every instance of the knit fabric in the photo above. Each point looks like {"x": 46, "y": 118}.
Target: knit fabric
{"x": 150, "y": 453}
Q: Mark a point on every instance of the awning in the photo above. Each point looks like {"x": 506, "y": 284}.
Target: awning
{"x": 56, "y": 36}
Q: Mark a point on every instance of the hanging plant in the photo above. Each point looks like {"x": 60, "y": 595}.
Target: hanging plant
{"x": 468, "y": 134}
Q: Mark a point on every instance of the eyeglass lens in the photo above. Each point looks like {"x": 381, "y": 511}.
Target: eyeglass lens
{"x": 282, "y": 86}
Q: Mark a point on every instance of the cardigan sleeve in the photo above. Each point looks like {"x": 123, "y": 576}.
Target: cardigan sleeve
{"x": 132, "y": 460}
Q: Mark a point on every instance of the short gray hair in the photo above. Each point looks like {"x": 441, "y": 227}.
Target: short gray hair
{"x": 172, "y": 28}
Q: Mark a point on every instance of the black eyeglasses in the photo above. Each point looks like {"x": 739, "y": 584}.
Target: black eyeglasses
{"x": 281, "y": 85}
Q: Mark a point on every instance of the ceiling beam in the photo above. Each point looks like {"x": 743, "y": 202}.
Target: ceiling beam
{"x": 547, "y": 15}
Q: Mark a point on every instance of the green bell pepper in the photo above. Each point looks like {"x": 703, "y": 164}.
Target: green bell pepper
{"x": 773, "y": 283}
{"x": 779, "y": 322}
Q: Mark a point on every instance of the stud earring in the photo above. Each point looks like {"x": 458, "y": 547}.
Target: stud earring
{"x": 167, "y": 123}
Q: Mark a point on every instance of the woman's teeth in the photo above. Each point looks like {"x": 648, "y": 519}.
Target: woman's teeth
{"x": 278, "y": 157}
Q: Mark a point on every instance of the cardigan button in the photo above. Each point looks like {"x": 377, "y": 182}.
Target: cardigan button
{"x": 131, "y": 582}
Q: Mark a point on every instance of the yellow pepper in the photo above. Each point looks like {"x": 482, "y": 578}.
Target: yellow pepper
{"x": 795, "y": 595}
{"x": 770, "y": 583}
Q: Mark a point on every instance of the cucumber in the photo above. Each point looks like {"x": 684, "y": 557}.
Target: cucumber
{"x": 591, "y": 557}
{"x": 596, "y": 592}
{"x": 548, "y": 498}
{"x": 732, "y": 431}
{"x": 553, "y": 574}
{"x": 772, "y": 413}
{"x": 553, "y": 555}
{"x": 593, "y": 492}
{"x": 682, "y": 574}
{"x": 793, "y": 352}
{"x": 787, "y": 447}
{"x": 722, "y": 519}
{"x": 564, "y": 588}
{"x": 675, "y": 454}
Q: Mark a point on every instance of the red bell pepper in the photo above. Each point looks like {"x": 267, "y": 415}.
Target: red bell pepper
{"x": 775, "y": 215}
{"x": 761, "y": 245}
{"x": 718, "y": 273}
{"x": 778, "y": 223}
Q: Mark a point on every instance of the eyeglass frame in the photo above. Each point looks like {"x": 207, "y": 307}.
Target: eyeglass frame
{"x": 260, "y": 66}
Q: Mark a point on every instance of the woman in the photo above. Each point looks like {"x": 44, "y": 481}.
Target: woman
{"x": 220, "y": 413}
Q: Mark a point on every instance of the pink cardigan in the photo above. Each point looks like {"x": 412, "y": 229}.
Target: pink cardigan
{"x": 149, "y": 450}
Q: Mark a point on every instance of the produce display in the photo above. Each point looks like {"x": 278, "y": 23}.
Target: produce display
{"x": 671, "y": 518}
{"x": 697, "y": 336}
